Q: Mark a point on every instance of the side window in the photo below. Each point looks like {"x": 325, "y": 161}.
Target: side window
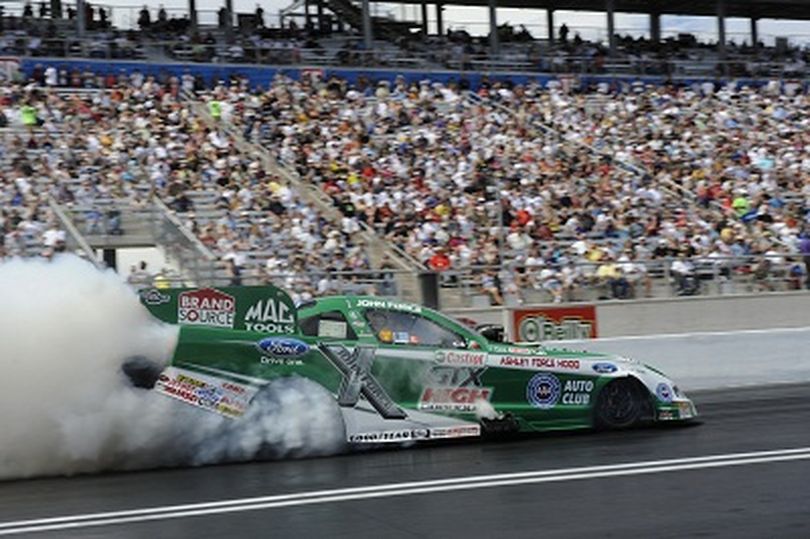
{"x": 331, "y": 325}
{"x": 399, "y": 327}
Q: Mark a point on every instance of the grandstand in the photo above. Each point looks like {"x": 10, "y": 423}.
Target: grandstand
{"x": 510, "y": 189}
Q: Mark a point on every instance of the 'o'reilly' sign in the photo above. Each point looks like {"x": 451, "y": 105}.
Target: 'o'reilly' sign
{"x": 206, "y": 307}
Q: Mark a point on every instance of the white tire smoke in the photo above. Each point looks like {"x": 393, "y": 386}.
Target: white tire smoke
{"x": 66, "y": 407}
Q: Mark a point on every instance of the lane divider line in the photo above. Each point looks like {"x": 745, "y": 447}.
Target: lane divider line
{"x": 399, "y": 489}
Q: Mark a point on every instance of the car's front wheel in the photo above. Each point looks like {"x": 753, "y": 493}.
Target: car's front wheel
{"x": 622, "y": 403}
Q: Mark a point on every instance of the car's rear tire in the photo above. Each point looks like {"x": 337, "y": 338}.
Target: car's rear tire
{"x": 294, "y": 417}
{"x": 621, "y": 404}
{"x": 141, "y": 372}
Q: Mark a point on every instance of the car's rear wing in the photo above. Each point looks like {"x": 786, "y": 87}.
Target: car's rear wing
{"x": 264, "y": 309}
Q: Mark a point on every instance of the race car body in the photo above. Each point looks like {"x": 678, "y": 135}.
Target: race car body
{"x": 398, "y": 371}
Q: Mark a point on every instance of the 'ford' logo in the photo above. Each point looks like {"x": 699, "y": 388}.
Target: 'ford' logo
{"x": 282, "y": 347}
{"x": 604, "y": 368}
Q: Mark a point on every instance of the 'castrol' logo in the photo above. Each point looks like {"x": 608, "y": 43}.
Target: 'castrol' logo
{"x": 206, "y": 307}
{"x": 460, "y": 358}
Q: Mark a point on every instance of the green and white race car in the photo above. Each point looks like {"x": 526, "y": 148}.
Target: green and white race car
{"x": 399, "y": 372}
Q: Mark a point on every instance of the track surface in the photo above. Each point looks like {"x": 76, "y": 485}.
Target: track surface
{"x": 769, "y": 499}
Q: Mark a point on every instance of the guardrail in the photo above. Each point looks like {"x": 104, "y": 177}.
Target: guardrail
{"x": 381, "y": 282}
{"x": 193, "y": 258}
{"x": 658, "y": 278}
{"x": 275, "y": 52}
{"x": 75, "y": 239}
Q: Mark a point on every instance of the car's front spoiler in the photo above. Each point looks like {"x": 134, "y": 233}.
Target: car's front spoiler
{"x": 677, "y": 410}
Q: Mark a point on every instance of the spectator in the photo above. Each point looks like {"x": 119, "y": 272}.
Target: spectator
{"x": 683, "y": 271}
{"x": 144, "y": 18}
{"x": 804, "y": 250}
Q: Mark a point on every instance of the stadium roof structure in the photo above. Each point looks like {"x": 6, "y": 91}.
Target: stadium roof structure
{"x": 758, "y": 9}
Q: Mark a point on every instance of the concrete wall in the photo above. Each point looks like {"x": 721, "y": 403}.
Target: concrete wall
{"x": 717, "y": 359}
{"x": 685, "y": 315}
{"x": 720, "y": 313}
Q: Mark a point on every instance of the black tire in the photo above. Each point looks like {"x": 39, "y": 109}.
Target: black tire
{"x": 142, "y": 372}
{"x": 298, "y": 409}
{"x": 621, "y": 404}
{"x": 500, "y": 427}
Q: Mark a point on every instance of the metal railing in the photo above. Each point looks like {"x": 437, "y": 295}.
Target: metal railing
{"x": 301, "y": 284}
{"x": 657, "y": 278}
{"x": 193, "y": 258}
{"x": 75, "y": 240}
{"x": 282, "y": 52}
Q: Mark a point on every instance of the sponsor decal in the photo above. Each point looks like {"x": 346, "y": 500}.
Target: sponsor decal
{"x": 663, "y": 392}
{"x": 543, "y": 390}
{"x": 355, "y": 366}
{"x": 453, "y": 399}
{"x": 388, "y": 304}
{"x": 153, "y": 297}
{"x": 420, "y": 434}
{"x": 226, "y": 398}
{"x": 282, "y": 347}
{"x": 554, "y": 323}
{"x": 455, "y": 432}
{"x": 666, "y": 415}
{"x": 270, "y": 316}
{"x": 539, "y": 363}
{"x": 206, "y": 307}
{"x": 437, "y": 433}
{"x": 605, "y": 368}
{"x": 577, "y": 392}
{"x": 461, "y": 358}
{"x": 377, "y": 437}
{"x": 401, "y": 337}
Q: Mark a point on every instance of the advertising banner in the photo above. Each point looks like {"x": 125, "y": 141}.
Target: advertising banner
{"x": 265, "y": 309}
{"x": 534, "y": 324}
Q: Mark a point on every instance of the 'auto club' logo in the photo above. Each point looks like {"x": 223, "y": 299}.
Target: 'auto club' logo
{"x": 543, "y": 390}
{"x": 206, "y": 307}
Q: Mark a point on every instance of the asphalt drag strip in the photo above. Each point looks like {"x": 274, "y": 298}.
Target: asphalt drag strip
{"x": 743, "y": 473}
{"x": 401, "y": 489}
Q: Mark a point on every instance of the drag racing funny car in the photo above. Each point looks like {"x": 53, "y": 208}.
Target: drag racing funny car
{"x": 399, "y": 372}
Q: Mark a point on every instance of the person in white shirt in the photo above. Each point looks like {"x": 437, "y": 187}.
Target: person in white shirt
{"x": 683, "y": 271}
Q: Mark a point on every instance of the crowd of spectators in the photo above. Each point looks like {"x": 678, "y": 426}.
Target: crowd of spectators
{"x": 49, "y": 30}
{"x": 522, "y": 187}
{"x": 95, "y": 151}
{"x": 694, "y": 176}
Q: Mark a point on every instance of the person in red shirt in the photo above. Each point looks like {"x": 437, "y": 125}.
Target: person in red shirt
{"x": 439, "y": 261}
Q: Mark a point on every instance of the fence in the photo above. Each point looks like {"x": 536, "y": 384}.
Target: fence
{"x": 482, "y": 286}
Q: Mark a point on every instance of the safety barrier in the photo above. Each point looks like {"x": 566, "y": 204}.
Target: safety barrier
{"x": 610, "y": 319}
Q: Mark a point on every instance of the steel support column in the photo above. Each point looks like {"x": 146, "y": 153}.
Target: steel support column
{"x": 550, "y": 24}
{"x": 229, "y": 19}
{"x": 319, "y": 11}
{"x": 424, "y": 18}
{"x": 494, "y": 45}
{"x": 721, "y": 27}
{"x": 655, "y": 27}
{"x": 754, "y": 32}
{"x": 192, "y": 14}
{"x": 81, "y": 20}
{"x": 367, "y": 36}
{"x": 610, "y": 6}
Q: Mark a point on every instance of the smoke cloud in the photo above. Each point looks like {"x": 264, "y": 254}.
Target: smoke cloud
{"x": 66, "y": 407}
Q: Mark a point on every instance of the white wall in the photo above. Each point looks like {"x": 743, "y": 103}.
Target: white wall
{"x": 684, "y": 315}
